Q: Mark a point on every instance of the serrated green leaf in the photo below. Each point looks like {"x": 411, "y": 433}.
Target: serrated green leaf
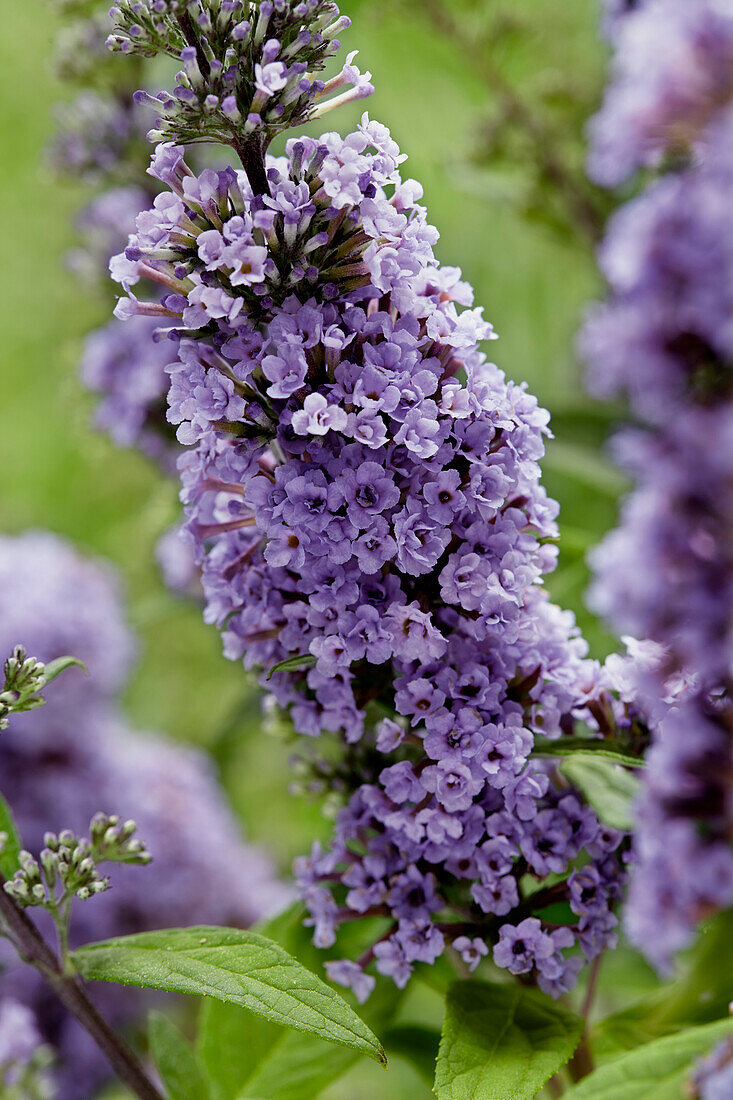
{"x": 248, "y": 1057}
{"x": 234, "y": 966}
{"x": 301, "y": 660}
{"x": 588, "y": 746}
{"x": 609, "y": 789}
{"x": 656, "y": 1071}
{"x": 60, "y": 664}
{"x": 11, "y": 847}
{"x": 175, "y": 1060}
{"x": 502, "y": 1042}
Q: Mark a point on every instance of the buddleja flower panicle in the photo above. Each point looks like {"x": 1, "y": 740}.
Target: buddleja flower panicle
{"x": 248, "y": 68}
{"x": 664, "y": 340}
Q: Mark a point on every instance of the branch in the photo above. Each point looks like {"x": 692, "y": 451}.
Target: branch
{"x": 34, "y": 950}
{"x": 582, "y": 210}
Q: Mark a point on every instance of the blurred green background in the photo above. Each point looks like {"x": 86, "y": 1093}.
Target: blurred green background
{"x": 439, "y": 93}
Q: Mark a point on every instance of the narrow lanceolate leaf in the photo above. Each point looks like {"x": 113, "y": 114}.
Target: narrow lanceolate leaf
{"x": 235, "y": 966}
{"x": 55, "y": 668}
{"x": 176, "y": 1062}
{"x": 587, "y": 746}
{"x": 10, "y": 846}
{"x": 301, "y": 660}
{"x": 656, "y": 1071}
{"x": 609, "y": 788}
{"x": 502, "y": 1042}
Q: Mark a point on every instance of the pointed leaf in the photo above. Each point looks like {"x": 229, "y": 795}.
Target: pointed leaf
{"x": 301, "y": 660}
{"x": 502, "y": 1042}
{"x": 11, "y": 847}
{"x": 176, "y": 1062}
{"x": 587, "y": 746}
{"x": 247, "y": 1057}
{"x": 609, "y": 788}
{"x": 656, "y": 1071}
{"x": 235, "y": 966}
{"x": 60, "y": 664}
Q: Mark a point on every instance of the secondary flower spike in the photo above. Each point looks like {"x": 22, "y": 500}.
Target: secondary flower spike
{"x": 664, "y": 340}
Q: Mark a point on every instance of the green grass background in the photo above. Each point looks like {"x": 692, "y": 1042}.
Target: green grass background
{"x": 59, "y": 474}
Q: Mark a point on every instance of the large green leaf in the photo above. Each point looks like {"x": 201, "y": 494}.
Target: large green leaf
{"x": 609, "y": 788}
{"x": 502, "y": 1042}
{"x": 656, "y": 1071}
{"x": 701, "y": 995}
{"x": 246, "y": 1056}
{"x": 176, "y": 1062}
{"x": 11, "y": 845}
{"x": 235, "y": 966}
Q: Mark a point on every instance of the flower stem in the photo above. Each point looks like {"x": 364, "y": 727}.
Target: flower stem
{"x": 34, "y": 950}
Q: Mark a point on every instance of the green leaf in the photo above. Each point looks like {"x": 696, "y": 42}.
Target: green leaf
{"x": 235, "y": 966}
{"x": 502, "y": 1042}
{"x": 609, "y": 788}
{"x": 298, "y": 1067}
{"x": 59, "y": 665}
{"x": 301, "y": 660}
{"x": 656, "y": 1071}
{"x": 11, "y": 848}
{"x": 176, "y": 1062}
{"x": 701, "y": 995}
{"x": 245, "y": 1056}
{"x": 596, "y": 747}
{"x": 417, "y": 1045}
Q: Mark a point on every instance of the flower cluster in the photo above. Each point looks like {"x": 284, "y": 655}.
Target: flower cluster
{"x": 24, "y": 681}
{"x": 672, "y": 72}
{"x": 24, "y": 1061}
{"x": 664, "y": 340}
{"x": 377, "y": 524}
{"x": 67, "y": 866}
{"x": 77, "y": 754}
{"x": 248, "y": 68}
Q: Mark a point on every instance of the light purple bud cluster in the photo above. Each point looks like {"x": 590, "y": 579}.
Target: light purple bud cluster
{"x": 77, "y": 755}
{"x": 248, "y": 69}
{"x": 671, "y": 74}
{"x": 664, "y": 339}
{"x": 359, "y": 511}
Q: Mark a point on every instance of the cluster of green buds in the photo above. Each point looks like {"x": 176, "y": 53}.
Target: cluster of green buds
{"x": 68, "y": 866}
{"x": 25, "y": 679}
{"x": 249, "y": 66}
